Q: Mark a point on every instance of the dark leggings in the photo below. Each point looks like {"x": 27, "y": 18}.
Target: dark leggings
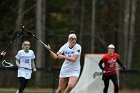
{"x": 114, "y": 80}
{"x": 23, "y": 83}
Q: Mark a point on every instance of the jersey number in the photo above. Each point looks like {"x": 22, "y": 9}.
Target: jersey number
{"x": 26, "y": 60}
{"x": 112, "y": 64}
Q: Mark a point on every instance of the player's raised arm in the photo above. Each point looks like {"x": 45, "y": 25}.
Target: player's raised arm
{"x": 53, "y": 55}
{"x": 72, "y": 58}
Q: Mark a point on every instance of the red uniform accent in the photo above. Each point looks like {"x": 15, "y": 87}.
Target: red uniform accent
{"x": 110, "y": 63}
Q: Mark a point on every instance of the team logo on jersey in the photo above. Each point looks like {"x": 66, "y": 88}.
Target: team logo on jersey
{"x": 78, "y": 50}
{"x": 112, "y": 62}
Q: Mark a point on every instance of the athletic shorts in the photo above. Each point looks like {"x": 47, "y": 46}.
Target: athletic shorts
{"x": 26, "y": 73}
{"x": 64, "y": 73}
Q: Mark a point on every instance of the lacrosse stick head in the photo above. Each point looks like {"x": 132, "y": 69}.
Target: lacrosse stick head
{"x": 16, "y": 34}
{"x": 97, "y": 74}
{"x": 24, "y": 30}
{"x": 7, "y": 64}
{"x": 21, "y": 26}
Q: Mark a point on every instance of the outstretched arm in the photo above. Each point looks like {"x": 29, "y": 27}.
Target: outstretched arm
{"x": 59, "y": 55}
{"x": 72, "y": 58}
{"x": 53, "y": 55}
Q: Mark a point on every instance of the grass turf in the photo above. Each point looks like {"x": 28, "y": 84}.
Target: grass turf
{"x": 46, "y": 90}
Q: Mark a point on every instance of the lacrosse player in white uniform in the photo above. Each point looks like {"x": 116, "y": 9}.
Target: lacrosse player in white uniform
{"x": 70, "y": 70}
{"x": 25, "y": 62}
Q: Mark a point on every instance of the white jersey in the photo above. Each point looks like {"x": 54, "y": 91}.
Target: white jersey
{"x": 25, "y": 58}
{"x": 69, "y": 66}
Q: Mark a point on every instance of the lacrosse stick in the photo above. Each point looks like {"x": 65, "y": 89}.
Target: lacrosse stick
{"x": 104, "y": 72}
{"x": 30, "y": 33}
{"x": 16, "y": 34}
{"x": 8, "y": 65}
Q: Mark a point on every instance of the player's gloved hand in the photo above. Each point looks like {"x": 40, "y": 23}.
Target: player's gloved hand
{"x": 34, "y": 69}
{"x": 3, "y": 53}
{"x": 103, "y": 71}
{"x": 48, "y": 46}
{"x": 124, "y": 67}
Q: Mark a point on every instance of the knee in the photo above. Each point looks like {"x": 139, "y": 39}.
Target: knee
{"x": 70, "y": 86}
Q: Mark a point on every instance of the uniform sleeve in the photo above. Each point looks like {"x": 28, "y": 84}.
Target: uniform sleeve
{"x": 61, "y": 50}
{"x": 18, "y": 55}
{"x": 102, "y": 61}
{"x": 78, "y": 50}
{"x": 103, "y": 58}
{"x": 118, "y": 56}
{"x": 100, "y": 64}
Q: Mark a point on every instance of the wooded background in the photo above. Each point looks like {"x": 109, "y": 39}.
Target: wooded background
{"x": 97, "y": 23}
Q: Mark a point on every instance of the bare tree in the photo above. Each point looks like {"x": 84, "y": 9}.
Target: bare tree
{"x": 93, "y": 25}
{"x": 120, "y": 30}
{"x": 129, "y": 22}
{"x": 16, "y": 45}
{"x": 82, "y": 22}
{"x": 40, "y": 32}
{"x": 20, "y": 12}
{"x": 131, "y": 34}
{"x": 126, "y": 28}
{"x": 18, "y": 22}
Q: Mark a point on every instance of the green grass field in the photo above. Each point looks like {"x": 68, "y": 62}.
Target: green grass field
{"x": 43, "y": 90}
{"x": 130, "y": 91}
{"x": 32, "y": 90}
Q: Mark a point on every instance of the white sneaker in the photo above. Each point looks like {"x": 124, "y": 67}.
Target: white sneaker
{"x": 17, "y": 91}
